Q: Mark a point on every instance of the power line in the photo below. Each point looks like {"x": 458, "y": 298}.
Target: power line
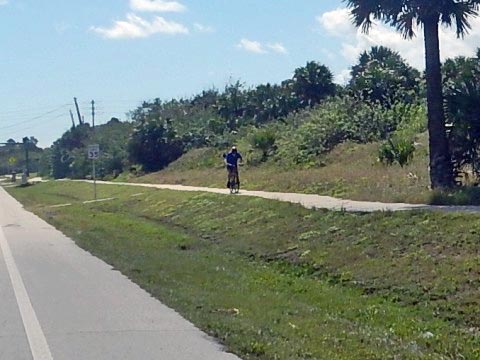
{"x": 38, "y": 117}
{"x": 27, "y": 112}
{"x": 23, "y": 130}
{"x": 12, "y": 120}
{"x": 99, "y": 111}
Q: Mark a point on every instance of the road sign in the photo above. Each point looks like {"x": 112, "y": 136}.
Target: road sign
{"x": 93, "y": 152}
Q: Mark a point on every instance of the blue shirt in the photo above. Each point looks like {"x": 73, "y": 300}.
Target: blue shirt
{"x": 232, "y": 158}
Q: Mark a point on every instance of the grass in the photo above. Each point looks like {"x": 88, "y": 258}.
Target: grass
{"x": 273, "y": 280}
{"x": 349, "y": 171}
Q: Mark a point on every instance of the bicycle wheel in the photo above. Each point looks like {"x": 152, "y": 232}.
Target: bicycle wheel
{"x": 232, "y": 183}
{"x": 237, "y": 184}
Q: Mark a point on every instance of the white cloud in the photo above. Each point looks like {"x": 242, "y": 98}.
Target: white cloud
{"x": 203, "y": 28}
{"x": 343, "y": 77}
{"x": 278, "y": 48}
{"x": 259, "y": 48}
{"x": 156, "y": 6}
{"x": 61, "y": 27}
{"x": 3, "y": 2}
{"x": 338, "y": 23}
{"x": 329, "y": 54}
{"x": 251, "y": 46}
{"x": 136, "y": 27}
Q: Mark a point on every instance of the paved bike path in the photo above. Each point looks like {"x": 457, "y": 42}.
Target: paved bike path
{"x": 310, "y": 201}
{"x": 61, "y": 303}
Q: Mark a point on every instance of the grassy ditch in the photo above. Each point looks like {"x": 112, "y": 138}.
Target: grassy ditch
{"x": 272, "y": 280}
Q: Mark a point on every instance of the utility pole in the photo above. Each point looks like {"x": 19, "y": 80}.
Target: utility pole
{"x": 93, "y": 114}
{"x": 78, "y": 111}
{"x": 26, "y": 141}
{"x": 71, "y": 117}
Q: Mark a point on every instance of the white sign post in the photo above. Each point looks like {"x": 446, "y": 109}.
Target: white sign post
{"x": 94, "y": 154}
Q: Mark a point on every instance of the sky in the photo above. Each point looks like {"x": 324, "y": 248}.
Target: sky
{"x": 122, "y": 52}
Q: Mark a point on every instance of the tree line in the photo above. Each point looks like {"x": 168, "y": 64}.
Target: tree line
{"x": 294, "y": 122}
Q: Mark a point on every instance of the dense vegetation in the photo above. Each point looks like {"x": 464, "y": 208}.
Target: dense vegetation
{"x": 13, "y": 156}
{"x": 68, "y": 155}
{"x": 406, "y": 16}
{"x": 462, "y": 99}
{"x": 294, "y": 124}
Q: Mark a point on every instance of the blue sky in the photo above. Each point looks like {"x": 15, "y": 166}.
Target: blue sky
{"x": 120, "y": 52}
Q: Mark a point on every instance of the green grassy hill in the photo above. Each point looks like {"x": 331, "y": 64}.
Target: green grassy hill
{"x": 350, "y": 171}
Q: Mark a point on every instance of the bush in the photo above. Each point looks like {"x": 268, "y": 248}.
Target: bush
{"x": 80, "y": 167}
{"x": 382, "y": 76}
{"x": 462, "y": 99}
{"x": 317, "y": 131}
{"x": 400, "y": 147}
{"x": 399, "y": 151}
{"x": 154, "y": 144}
{"x": 264, "y": 140}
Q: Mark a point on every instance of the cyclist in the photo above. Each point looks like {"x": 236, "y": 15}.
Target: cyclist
{"x": 231, "y": 161}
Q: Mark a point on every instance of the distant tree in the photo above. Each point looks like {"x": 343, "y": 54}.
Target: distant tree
{"x": 30, "y": 143}
{"x": 45, "y": 163}
{"x": 382, "y": 76}
{"x": 33, "y": 140}
{"x": 462, "y": 100}
{"x": 79, "y": 165}
{"x": 114, "y": 120}
{"x": 313, "y": 83}
{"x": 232, "y": 104}
{"x": 207, "y": 99}
{"x": 266, "y": 103}
{"x": 60, "y": 162}
{"x": 68, "y": 155}
{"x": 11, "y": 142}
{"x": 154, "y": 144}
{"x": 75, "y": 138}
{"x": 429, "y": 14}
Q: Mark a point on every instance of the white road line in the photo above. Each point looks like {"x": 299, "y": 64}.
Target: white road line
{"x": 35, "y": 335}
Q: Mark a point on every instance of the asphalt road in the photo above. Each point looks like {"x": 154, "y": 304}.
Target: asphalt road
{"x": 59, "y": 302}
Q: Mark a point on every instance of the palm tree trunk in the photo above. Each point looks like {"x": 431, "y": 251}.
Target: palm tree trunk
{"x": 441, "y": 168}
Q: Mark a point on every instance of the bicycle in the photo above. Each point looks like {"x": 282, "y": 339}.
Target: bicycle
{"x": 233, "y": 179}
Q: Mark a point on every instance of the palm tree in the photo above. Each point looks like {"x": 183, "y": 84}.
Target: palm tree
{"x": 313, "y": 83}
{"x": 382, "y": 75}
{"x": 405, "y": 16}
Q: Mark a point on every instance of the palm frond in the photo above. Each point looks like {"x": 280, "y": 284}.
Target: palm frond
{"x": 454, "y": 13}
{"x": 363, "y": 12}
{"x": 405, "y": 23}
{"x": 405, "y": 15}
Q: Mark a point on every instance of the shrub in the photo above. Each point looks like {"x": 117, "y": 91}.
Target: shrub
{"x": 382, "y": 75}
{"x": 317, "y": 131}
{"x": 264, "y": 140}
{"x": 462, "y": 99}
{"x": 154, "y": 144}
{"x": 399, "y": 151}
{"x": 400, "y": 147}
